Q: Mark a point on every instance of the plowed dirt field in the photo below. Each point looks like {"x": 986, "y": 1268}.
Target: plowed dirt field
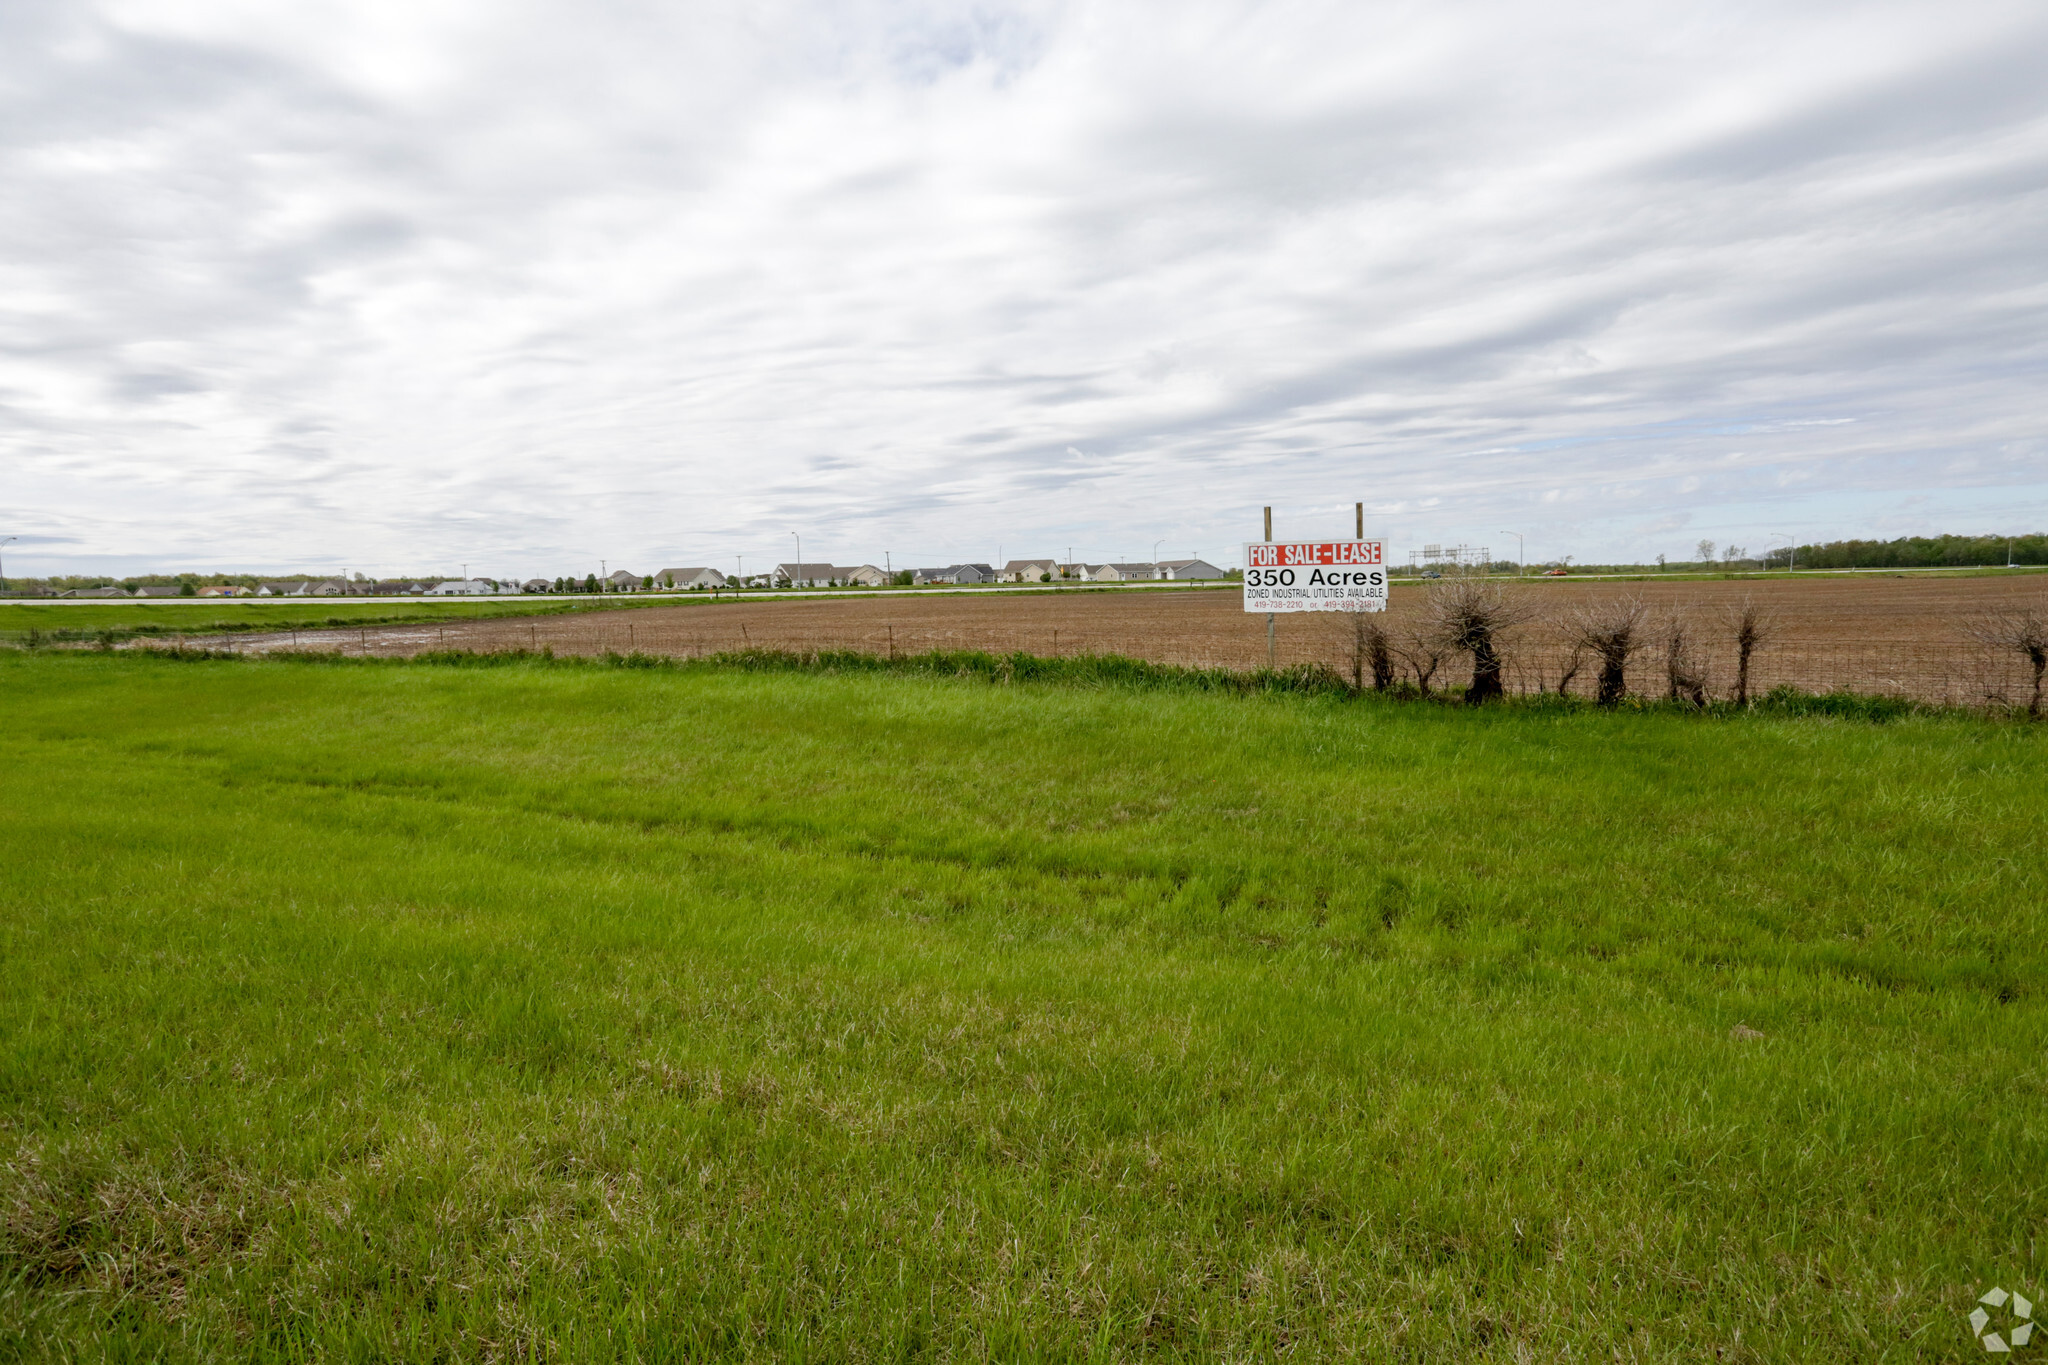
{"x": 1906, "y": 635}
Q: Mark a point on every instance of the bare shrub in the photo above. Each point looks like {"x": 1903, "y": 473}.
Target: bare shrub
{"x": 2023, "y": 629}
{"x": 1573, "y": 662}
{"x": 1685, "y": 672}
{"x": 1372, "y": 649}
{"x": 1469, "y": 616}
{"x": 1753, "y": 628}
{"x": 1612, "y": 632}
{"x": 1424, "y": 654}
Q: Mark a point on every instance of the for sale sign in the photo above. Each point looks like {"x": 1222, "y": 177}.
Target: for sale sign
{"x": 1315, "y": 575}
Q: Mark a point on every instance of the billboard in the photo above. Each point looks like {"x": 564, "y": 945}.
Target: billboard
{"x": 1315, "y": 575}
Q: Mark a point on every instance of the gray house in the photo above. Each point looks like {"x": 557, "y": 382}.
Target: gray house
{"x": 1125, "y": 573}
{"x": 807, "y": 575}
{"x": 1188, "y": 570}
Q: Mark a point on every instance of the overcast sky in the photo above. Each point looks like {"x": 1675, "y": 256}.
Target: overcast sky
{"x": 398, "y": 285}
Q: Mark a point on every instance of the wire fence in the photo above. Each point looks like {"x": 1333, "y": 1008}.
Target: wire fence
{"x": 1958, "y": 672}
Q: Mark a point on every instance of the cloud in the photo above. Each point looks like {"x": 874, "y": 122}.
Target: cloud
{"x": 405, "y": 285}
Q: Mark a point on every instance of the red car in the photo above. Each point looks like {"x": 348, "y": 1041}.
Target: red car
{"x": 1557, "y": 573}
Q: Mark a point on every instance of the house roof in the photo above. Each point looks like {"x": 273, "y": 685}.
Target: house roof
{"x": 694, "y": 571}
{"x": 622, "y": 576}
{"x": 807, "y": 570}
{"x": 1131, "y": 568}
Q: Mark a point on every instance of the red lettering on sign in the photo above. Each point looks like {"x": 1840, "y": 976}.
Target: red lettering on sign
{"x": 1266, "y": 555}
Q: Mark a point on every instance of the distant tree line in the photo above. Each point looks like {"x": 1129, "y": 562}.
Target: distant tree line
{"x": 1918, "y": 552}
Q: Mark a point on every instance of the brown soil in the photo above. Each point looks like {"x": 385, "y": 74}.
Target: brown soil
{"x": 1904, "y": 634}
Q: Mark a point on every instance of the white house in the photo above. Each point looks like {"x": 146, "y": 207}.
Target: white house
{"x": 1029, "y": 570}
{"x": 462, "y": 587}
{"x": 865, "y": 576}
{"x": 806, "y": 575}
{"x": 690, "y": 578}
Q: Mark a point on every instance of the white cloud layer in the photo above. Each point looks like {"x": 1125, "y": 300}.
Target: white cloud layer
{"x": 399, "y": 286}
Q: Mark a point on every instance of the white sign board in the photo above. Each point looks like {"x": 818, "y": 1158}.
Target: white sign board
{"x": 1315, "y": 575}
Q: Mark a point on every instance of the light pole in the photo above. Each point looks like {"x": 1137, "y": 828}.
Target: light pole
{"x": 1521, "y": 553}
{"x": 797, "y": 567}
{"x": 9, "y": 540}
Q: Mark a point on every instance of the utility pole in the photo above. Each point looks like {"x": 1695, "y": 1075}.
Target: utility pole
{"x": 798, "y": 567}
{"x": 9, "y": 540}
{"x": 1521, "y": 553}
{"x": 1270, "y": 645}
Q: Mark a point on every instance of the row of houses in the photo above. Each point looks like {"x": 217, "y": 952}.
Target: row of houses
{"x": 820, "y": 575}
{"x": 698, "y": 577}
{"x": 1052, "y": 571}
{"x": 319, "y": 587}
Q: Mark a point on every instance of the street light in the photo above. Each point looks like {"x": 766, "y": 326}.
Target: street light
{"x": 1155, "y": 555}
{"x": 1521, "y": 553}
{"x": 9, "y": 540}
{"x": 797, "y": 567}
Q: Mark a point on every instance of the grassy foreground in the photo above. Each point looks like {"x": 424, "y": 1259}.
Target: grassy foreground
{"x": 198, "y": 616}
{"x": 413, "y": 1012}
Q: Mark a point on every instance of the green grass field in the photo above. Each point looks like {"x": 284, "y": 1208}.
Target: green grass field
{"x": 167, "y": 617}
{"x": 417, "y": 1012}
